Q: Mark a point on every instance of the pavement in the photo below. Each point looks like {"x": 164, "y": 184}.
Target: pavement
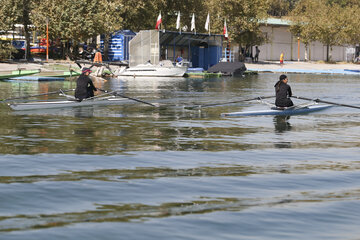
{"x": 305, "y": 67}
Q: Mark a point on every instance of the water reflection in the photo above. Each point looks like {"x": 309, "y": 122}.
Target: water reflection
{"x": 84, "y": 112}
{"x": 282, "y": 124}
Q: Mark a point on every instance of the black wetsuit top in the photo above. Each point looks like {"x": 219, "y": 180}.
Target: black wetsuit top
{"x": 283, "y": 94}
{"x": 84, "y": 87}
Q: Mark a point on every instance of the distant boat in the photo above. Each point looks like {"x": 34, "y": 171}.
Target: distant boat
{"x": 352, "y": 70}
{"x": 59, "y": 74}
{"x": 38, "y": 49}
{"x": 37, "y": 78}
{"x": 164, "y": 69}
{"x": 48, "y": 76}
{"x": 17, "y": 73}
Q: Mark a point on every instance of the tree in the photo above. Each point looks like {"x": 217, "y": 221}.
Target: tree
{"x": 15, "y": 12}
{"x": 319, "y": 20}
{"x": 350, "y": 32}
{"x": 279, "y": 8}
{"x": 243, "y": 19}
{"x": 75, "y": 21}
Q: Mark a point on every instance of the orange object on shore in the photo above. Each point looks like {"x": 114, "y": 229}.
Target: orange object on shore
{"x": 98, "y": 57}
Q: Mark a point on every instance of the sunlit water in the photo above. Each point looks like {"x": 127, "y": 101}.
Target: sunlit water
{"x": 138, "y": 172}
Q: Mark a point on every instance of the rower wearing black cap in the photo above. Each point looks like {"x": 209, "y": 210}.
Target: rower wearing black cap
{"x": 84, "y": 86}
{"x": 283, "y": 93}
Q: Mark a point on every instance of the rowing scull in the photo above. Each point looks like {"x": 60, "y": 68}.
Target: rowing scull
{"x": 284, "y": 112}
{"x": 110, "y": 100}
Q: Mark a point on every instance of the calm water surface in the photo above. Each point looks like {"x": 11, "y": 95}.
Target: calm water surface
{"x": 138, "y": 172}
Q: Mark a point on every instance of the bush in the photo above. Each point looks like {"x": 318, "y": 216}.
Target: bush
{"x": 6, "y": 50}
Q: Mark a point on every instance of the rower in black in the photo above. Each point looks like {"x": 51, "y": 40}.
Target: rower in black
{"x": 283, "y": 93}
{"x": 84, "y": 86}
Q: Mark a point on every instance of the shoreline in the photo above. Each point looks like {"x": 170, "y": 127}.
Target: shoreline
{"x": 44, "y": 66}
{"x": 261, "y": 66}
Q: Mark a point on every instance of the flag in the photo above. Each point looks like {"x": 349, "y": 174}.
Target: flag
{"x": 225, "y": 31}
{"x": 158, "y": 22}
{"x": 178, "y": 21}
{"x": 207, "y": 23}
{"x": 193, "y": 22}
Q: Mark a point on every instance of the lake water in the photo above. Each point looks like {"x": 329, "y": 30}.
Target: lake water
{"x": 138, "y": 172}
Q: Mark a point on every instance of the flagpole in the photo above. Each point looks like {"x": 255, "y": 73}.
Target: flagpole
{"x": 47, "y": 39}
{"x": 209, "y": 27}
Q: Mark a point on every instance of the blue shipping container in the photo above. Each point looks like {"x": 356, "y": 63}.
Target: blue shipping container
{"x": 118, "y": 45}
{"x": 205, "y": 57}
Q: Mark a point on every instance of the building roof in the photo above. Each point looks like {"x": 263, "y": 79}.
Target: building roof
{"x": 276, "y": 21}
{"x": 184, "y": 38}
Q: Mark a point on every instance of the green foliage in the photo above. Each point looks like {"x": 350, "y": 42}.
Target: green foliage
{"x": 242, "y": 16}
{"x": 279, "y": 8}
{"x": 6, "y": 49}
{"x": 331, "y": 22}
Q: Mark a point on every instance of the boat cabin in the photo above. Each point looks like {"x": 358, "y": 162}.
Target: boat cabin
{"x": 200, "y": 50}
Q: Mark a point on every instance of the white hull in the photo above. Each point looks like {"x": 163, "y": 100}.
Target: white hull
{"x": 286, "y": 112}
{"x": 66, "y": 104}
{"x": 148, "y": 70}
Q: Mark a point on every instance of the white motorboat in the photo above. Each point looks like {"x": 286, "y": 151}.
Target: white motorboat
{"x": 164, "y": 69}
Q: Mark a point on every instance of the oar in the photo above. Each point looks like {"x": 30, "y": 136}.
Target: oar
{"x": 322, "y": 101}
{"x": 36, "y": 95}
{"x": 120, "y": 95}
{"x": 216, "y": 104}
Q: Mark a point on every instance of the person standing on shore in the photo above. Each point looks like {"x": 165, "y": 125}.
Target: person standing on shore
{"x": 98, "y": 57}
{"x": 84, "y": 86}
{"x": 281, "y": 59}
{"x": 257, "y": 52}
{"x": 283, "y": 92}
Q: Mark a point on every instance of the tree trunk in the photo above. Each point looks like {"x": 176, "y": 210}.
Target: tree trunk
{"x": 26, "y": 23}
{"x": 327, "y": 53}
{"x": 330, "y": 54}
{"x": 106, "y": 46}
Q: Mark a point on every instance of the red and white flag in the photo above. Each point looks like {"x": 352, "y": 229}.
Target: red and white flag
{"x": 225, "y": 31}
{"x": 158, "y": 22}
